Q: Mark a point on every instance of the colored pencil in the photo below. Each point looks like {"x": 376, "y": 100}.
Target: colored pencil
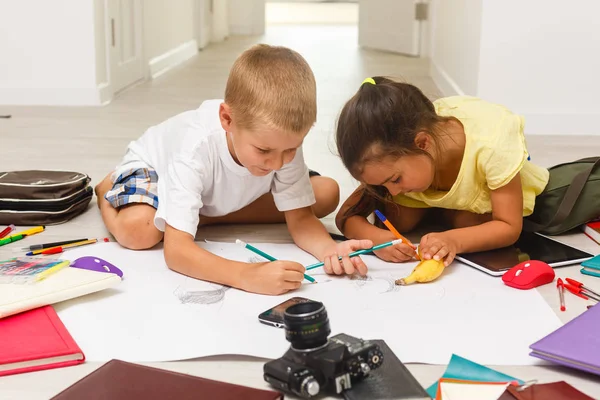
{"x": 11, "y": 239}
{"x": 389, "y": 225}
{"x": 31, "y": 231}
{"x": 43, "y": 246}
{"x": 60, "y": 249}
{"x": 268, "y": 257}
{"x": 359, "y": 252}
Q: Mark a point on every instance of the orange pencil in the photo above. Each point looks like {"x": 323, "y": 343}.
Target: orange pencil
{"x": 395, "y": 232}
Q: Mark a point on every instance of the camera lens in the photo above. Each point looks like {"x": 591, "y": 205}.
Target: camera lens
{"x": 306, "y": 325}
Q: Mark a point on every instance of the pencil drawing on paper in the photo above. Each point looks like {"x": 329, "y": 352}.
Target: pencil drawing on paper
{"x": 205, "y": 297}
{"x": 361, "y": 281}
{"x": 201, "y": 296}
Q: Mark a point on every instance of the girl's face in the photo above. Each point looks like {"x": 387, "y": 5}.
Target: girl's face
{"x": 411, "y": 173}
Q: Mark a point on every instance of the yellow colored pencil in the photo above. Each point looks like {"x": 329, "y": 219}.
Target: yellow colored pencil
{"x": 59, "y": 249}
{"x": 52, "y": 270}
{"x": 30, "y": 231}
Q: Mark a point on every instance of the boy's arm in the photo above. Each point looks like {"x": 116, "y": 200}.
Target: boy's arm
{"x": 308, "y": 232}
{"x": 184, "y": 256}
{"x": 310, "y": 235}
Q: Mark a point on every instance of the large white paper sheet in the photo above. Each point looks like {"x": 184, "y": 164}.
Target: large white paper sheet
{"x": 158, "y": 315}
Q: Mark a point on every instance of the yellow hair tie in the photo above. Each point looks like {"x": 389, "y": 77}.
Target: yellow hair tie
{"x": 369, "y": 80}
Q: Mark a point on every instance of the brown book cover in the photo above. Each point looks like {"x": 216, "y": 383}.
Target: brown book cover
{"x": 545, "y": 391}
{"x": 119, "y": 380}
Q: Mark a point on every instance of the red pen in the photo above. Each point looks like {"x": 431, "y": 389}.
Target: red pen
{"x": 578, "y": 292}
{"x": 6, "y": 231}
{"x": 580, "y": 285}
{"x": 561, "y": 293}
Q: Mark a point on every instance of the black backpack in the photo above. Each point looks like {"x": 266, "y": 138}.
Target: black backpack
{"x": 42, "y": 197}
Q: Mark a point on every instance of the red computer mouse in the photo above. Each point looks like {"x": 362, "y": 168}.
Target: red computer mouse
{"x": 529, "y": 274}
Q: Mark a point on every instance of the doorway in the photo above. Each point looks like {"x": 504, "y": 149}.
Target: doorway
{"x": 318, "y": 12}
{"x": 124, "y": 31}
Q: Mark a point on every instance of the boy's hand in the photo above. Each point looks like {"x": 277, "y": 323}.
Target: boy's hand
{"x": 438, "y": 246}
{"x": 274, "y": 278}
{"x": 346, "y": 265}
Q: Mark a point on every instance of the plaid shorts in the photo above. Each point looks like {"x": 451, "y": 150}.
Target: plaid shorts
{"x": 134, "y": 186}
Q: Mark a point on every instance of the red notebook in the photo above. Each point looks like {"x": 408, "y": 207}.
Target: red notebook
{"x": 36, "y": 340}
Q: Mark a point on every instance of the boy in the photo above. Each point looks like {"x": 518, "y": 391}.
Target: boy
{"x": 236, "y": 161}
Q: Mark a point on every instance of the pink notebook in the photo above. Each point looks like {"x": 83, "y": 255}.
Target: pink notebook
{"x": 36, "y": 340}
{"x": 576, "y": 344}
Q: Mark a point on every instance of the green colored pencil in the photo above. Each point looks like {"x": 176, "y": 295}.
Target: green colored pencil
{"x": 359, "y": 252}
{"x": 268, "y": 257}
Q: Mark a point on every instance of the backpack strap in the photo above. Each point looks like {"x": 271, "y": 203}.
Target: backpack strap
{"x": 568, "y": 202}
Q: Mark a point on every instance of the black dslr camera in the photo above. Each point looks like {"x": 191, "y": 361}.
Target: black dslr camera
{"x": 315, "y": 364}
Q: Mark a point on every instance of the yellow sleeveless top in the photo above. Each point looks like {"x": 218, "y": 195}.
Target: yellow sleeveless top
{"x": 495, "y": 151}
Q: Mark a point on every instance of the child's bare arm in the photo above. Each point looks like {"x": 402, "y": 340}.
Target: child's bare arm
{"x": 358, "y": 227}
{"x": 310, "y": 235}
{"x": 503, "y": 230}
{"x": 184, "y": 256}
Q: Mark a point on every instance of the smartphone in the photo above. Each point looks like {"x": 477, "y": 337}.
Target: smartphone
{"x": 274, "y": 316}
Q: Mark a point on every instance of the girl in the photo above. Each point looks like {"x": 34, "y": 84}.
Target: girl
{"x": 459, "y": 158}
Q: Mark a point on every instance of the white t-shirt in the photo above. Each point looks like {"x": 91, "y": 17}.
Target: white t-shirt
{"x": 198, "y": 176}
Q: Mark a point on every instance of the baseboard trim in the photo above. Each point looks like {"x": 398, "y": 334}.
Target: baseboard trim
{"x": 161, "y": 64}
{"x": 50, "y": 96}
{"x": 444, "y": 81}
{"x": 105, "y": 93}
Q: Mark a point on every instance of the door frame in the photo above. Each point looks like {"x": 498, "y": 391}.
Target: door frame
{"x": 107, "y": 89}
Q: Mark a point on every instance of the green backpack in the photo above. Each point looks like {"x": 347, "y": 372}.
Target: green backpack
{"x": 571, "y": 198}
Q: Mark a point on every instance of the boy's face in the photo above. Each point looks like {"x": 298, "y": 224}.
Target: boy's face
{"x": 260, "y": 151}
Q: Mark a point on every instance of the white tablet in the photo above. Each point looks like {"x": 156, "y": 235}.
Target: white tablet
{"x": 530, "y": 246}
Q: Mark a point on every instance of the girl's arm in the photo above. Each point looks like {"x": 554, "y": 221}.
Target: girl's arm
{"x": 503, "y": 230}
{"x": 358, "y": 227}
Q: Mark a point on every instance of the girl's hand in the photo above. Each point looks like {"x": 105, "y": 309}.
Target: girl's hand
{"x": 400, "y": 252}
{"x": 438, "y": 246}
{"x": 346, "y": 265}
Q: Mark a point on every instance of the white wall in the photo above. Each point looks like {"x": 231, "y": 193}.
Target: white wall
{"x": 546, "y": 66}
{"x": 455, "y": 37}
{"x": 167, "y": 24}
{"x": 47, "y": 50}
{"x": 169, "y": 34}
{"x": 539, "y": 58}
{"x": 246, "y": 17}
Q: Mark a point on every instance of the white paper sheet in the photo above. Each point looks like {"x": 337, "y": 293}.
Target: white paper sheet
{"x": 158, "y": 315}
{"x": 466, "y": 391}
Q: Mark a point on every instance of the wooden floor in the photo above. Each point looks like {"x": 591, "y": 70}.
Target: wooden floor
{"x": 93, "y": 140}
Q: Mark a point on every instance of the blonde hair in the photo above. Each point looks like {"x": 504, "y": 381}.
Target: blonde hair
{"x": 272, "y": 86}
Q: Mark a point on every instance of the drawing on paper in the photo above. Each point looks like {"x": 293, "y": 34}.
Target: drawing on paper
{"x": 201, "y": 296}
{"x": 205, "y": 297}
{"x": 361, "y": 281}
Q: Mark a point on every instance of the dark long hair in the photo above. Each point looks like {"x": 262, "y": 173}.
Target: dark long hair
{"x": 382, "y": 120}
